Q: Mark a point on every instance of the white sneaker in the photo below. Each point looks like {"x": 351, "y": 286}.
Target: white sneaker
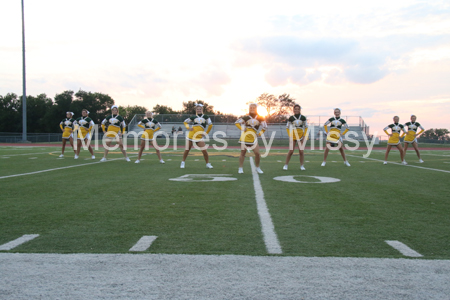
{"x": 162, "y": 162}
{"x": 241, "y": 171}
{"x": 302, "y": 168}
{"x": 385, "y": 163}
{"x": 421, "y": 161}
{"x": 137, "y": 161}
{"x": 93, "y": 157}
{"x": 346, "y": 163}
{"x": 103, "y": 159}
{"x": 76, "y": 156}
{"x": 404, "y": 163}
{"x": 258, "y": 169}
{"x": 285, "y": 167}
{"x": 323, "y": 164}
{"x": 209, "y": 166}
{"x": 127, "y": 158}
{"x": 62, "y": 155}
{"x": 182, "y": 165}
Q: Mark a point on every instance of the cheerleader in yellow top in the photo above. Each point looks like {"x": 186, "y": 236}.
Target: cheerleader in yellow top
{"x": 249, "y": 126}
{"x": 334, "y": 135}
{"x": 297, "y": 129}
{"x": 84, "y": 126}
{"x": 196, "y": 126}
{"x": 150, "y": 126}
{"x": 394, "y": 139}
{"x": 114, "y": 127}
{"x": 67, "y": 127}
{"x": 411, "y": 136}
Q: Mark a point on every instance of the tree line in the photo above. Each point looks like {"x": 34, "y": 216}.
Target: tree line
{"x": 44, "y": 114}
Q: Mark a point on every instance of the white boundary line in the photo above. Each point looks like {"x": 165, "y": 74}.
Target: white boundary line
{"x": 43, "y": 171}
{"x": 19, "y": 241}
{"x": 268, "y": 230}
{"x": 409, "y": 165}
{"x": 403, "y": 249}
{"x": 144, "y": 243}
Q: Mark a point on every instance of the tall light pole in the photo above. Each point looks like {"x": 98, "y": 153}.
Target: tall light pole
{"x": 24, "y": 92}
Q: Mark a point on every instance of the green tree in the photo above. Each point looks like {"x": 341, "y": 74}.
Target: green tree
{"x": 98, "y": 104}
{"x": 439, "y": 134}
{"x": 189, "y": 107}
{"x": 10, "y": 113}
{"x": 163, "y": 110}
{"x": 37, "y": 108}
{"x": 128, "y": 112}
{"x": 57, "y": 112}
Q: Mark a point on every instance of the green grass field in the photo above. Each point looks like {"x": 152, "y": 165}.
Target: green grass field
{"x": 107, "y": 207}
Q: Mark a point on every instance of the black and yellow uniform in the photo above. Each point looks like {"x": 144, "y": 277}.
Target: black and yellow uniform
{"x": 334, "y": 132}
{"x": 396, "y": 128}
{"x": 199, "y": 123}
{"x": 412, "y": 128}
{"x": 249, "y": 126}
{"x": 84, "y": 126}
{"x": 67, "y": 125}
{"x": 150, "y": 126}
{"x": 113, "y": 124}
{"x": 297, "y": 127}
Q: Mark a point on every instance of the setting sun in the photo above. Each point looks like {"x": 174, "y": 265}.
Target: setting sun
{"x": 262, "y": 111}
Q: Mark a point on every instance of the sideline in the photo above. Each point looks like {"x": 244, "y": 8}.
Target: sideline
{"x": 165, "y": 276}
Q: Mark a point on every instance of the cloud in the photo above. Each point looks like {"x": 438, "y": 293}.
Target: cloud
{"x": 299, "y": 60}
{"x": 361, "y": 49}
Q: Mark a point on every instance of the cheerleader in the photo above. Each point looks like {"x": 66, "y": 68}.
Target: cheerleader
{"x": 114, "y": 127}
{"x": 411, "y": 136}
{"x": 84, "y": 125}
{"x": 297, "y": 129}
{"x": 334, "y": 135}
{"x": 196, "y": 126}
{"x": 394, "y": 139}
{"x": 249, "y": 126}
{"x": 150, "y": 126}
{"x": 67, "y": 127}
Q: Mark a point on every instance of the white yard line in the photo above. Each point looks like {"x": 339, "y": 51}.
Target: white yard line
{"x": 10, "y": 155}
{"x": 270, "y": 237}
{"x": 403, "y": 249}
{"x": 61, "y": 168}
{"x": 408, "y": 165}
{"x": 144, "y": 243}
{"x": 17, "y": 242}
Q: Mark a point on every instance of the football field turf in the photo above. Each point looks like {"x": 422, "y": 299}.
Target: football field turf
{"x": 84, "y": 206}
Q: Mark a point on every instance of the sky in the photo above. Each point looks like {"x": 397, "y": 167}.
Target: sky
{"x": 373, "y": 59}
